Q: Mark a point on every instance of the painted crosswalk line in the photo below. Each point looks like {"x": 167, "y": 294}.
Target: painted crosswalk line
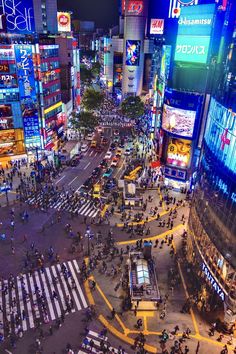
{"x": 41, "y": 295}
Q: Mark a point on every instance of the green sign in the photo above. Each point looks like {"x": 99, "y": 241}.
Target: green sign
{"x": 192, "y": 49}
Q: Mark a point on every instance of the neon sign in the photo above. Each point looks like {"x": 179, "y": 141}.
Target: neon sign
{"x": 213, "y": 282}
{"x": 224, "y": 139}
{"x": 135, "y": 7}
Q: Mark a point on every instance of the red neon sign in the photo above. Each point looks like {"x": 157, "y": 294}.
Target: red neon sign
{"x": 135, "y": 7}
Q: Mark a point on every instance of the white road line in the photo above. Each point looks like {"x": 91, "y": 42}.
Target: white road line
{"x": 78, "y": 188}
{"x": 76, "y": 266}
{"x": 58, "y": 286}
{"x": 72, "y": 181}
{"x": 91, "y": 153}
{"x": 78, "y": 286}
{"x": 87, "y": 165}
{"x": 29, "y": 308}
{"x": 75, "y": 296}
{"x": 95, "y": 154}
{"x": 62, "y": 278}
{"x": 53, "y": 289}
{"x": 22, "y": 307}
{"x": 7, "y": 301}
{"x": 48, "y": 296}
{"x": 83, "y": 206}
{"x": 84, "y": 210}
{"x": 34, "y": 297}
{"x": 60, "y": 179}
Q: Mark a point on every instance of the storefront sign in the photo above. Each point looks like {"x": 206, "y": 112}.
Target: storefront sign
{"x": 7, "y": 53}
{"x": 4, "y": 68}
{"x": 157, "y": 26}
{"x": 135, "y": 7}
{"x": 19, "y": 16}
{"x": 27, "y": 91}
{"x": 175, "y": 173}
{"x": 215, "y": 285}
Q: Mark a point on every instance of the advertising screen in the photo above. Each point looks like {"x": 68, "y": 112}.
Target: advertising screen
{"x": 6, "y": 119}
{"x": 132, "y": 52}
{"x": 7, "y": 53}
{"x": 220, "y": 134}
{"x": 192, "y": 49}
{"x": 196, "y": 20}
{"x": 117, "y": 75}
{"x": 157, "y": 26}
{"x": 178, "y": 121}
{"x": 179, "y": 152}
{"x": 63, "y": 22}
{"x": 19, "y": 16}
{"x": 165, "y": 62}
{"x": 27, "y": 91}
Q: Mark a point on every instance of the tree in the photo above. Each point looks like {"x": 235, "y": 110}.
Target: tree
{"x": 85, "y": 75}
{"x": 92, "y": 99}
{"x": 96, "y": 69}
{"x": 132, "y": 107}
{"x": 84, "y": 121}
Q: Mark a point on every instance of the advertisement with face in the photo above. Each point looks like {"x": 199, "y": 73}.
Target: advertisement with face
{"x": 63, "y": 22}
{"x": 178, "y": 121}
{"x": 118, "y": 75}
{"x": 132, "y": 52}
{"x": 179, "y": 152}
{"x": 6, "y": 119}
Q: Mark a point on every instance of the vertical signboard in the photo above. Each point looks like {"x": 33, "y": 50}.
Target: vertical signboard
{"x": 27, "y": 92}
{"x": 157, "y": 26}
{"x": 19, "y": 16}
{"x": 63, "y": 22}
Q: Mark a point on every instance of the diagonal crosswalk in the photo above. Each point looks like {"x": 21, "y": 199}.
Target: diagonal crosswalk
{"x": 61, "y": 201}
{"x": 94, "y": 343}
{"x": 41, "y": 295}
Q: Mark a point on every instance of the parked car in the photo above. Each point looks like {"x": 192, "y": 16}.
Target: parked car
{"x": 118, "y": 151}
{"x": 99, "y": 148}
{"x": 104, "y": 141}
{"x": 116, "y": 132}
{"x": 88, "y": 183}
{"x": 128, "y": 151}
{"x": 90, "y": 136}
{"x": 103, "y": 164}
{"x": 75, "y": 161}
{"x": 96, "y": 172}
{"x": 110, "y": 184}
{"x": 113, "y": 146}
{"x": 93, "y": 143}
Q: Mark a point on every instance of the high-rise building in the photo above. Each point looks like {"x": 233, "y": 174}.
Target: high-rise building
{"x": 45, "y": 16}
{"x": 212, "y": 222}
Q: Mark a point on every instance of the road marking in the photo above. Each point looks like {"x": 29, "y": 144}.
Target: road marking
{"x": 60, "y": 179}
{"x": 72, "y": 181}
{"x": 95, "y": 154}
{"x": 78, "y": 286}
{"x": 78, "y": 188}
{"x": 87, "y": 165}
{"x": 91, "y": 153}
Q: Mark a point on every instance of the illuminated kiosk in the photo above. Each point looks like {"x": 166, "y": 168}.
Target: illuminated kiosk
{"x": 144, "y": 292}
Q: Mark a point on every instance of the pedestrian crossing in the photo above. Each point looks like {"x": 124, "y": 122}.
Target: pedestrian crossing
{"x": 95, "y": 343}
{"x": 42, "y": 295}
{"x": 63, "y": 201}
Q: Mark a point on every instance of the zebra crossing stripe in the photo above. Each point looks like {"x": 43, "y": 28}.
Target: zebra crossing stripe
{"x": 22, "y": 307}
{"x": 34, "y": 297}
{"x": 75, "y": 297}
{"x": 58, "y": 286}
{"x": 50, "y": 306}
{"x": 76, "y": 266}
{"x": 53, "y": 289}
{"x": 86, "y": 203}
{"x": 84, "y": 210}
{"x": 78, "y": 286}
{"x": 65, "y": 286}
{"x": 29, "y": 308}
{"x": 7, "y": 302}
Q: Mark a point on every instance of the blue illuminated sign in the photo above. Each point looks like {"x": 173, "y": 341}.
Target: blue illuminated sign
{"x": 215, "y": 285}
{"x": 27, "y": 92}
{"x": 19, "y": 15}
{"x": 196, "y": 20}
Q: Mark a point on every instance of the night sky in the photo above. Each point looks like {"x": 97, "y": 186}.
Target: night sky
{"x": 103, "y": 12}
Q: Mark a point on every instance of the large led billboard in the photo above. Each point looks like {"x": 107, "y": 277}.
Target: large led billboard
{"x": 220, "y": 134}
{"x": 178, "y": 121}
{"x": 19, "y": 16}
{"x": 194, "y": 33}
{"x": 179, "y": 152}
{"x": 63, "y": 22}
{"x": 132, "y": 52}
{"x": 118, "y": 73}
{"x": 27, "y": 92}
{"x": 192, "y": 49}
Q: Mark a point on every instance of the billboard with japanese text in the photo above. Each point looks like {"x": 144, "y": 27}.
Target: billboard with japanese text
{"x": 19, "y": 16}
{"x": 27, "y": 92}
{"x": 194, "y": 33}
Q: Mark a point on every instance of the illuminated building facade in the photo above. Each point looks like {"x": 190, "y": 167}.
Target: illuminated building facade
{"x": 212, "y": 221}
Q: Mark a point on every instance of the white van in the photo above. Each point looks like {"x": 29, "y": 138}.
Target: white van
{"x": 84, "y": 147}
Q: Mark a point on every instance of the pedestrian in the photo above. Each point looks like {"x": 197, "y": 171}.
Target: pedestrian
{"x": 186, "y": 349}
{"x": 113, "y": 313}
{"x": 135, "y": 310}
{"x": 139, "y": 323}
{"x": 50, "y": 330}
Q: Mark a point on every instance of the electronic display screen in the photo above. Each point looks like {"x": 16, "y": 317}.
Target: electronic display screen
{"x": 132, "y": 52}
